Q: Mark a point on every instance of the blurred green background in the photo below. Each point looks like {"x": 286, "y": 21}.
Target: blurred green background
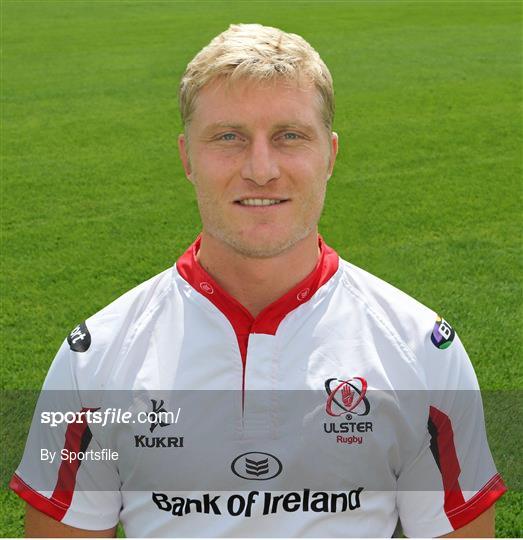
{"x": 426, "y": 192}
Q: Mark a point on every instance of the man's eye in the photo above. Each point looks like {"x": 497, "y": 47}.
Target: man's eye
{"x": 228, "y": 137}
{"x": 290, "y": 136}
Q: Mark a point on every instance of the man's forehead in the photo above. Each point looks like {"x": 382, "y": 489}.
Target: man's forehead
{"x": 287, "y": 102}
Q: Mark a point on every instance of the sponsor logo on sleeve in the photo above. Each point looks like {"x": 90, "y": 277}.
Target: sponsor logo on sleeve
{"x": 79, "y": 339}
{"x": 443, "y": 334}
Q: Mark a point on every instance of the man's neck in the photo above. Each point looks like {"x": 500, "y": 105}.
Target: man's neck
{"x": 254, "y": 282}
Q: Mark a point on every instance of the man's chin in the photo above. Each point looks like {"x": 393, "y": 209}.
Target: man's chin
{"x": 265, "y": 248}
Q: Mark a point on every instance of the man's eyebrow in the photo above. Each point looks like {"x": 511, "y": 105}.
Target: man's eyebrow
{"x": 223, "y": 125}
{"x": 279, "y": 126}
{"x": 295, "y": 125}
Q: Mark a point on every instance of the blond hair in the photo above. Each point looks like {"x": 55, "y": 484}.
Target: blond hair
{"x": 257, "y": 52}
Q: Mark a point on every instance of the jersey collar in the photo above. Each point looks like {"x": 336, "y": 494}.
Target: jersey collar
{"x": 268, "y": 319}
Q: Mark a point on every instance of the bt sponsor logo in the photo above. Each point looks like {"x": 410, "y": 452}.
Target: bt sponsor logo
{"x": 442, "y": 334}
{"x": 79, "y": 339}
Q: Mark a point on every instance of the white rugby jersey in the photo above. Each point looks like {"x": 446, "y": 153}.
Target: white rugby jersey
{"x": 342, "y": 407}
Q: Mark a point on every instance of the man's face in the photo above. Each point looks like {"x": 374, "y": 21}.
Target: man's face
{"x": 259, "y": 157}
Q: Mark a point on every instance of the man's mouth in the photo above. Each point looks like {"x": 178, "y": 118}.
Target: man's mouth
{"x": 260, "y": 202}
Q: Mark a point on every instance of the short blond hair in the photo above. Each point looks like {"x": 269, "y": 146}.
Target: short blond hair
{"x": 253, "y": 51}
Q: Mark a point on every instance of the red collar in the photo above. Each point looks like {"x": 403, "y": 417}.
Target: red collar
{"x": 269, "y": 319}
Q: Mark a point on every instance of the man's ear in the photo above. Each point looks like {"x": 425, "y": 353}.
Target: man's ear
{"x": 333, "y": 153}
{"x": 184, "y": 156}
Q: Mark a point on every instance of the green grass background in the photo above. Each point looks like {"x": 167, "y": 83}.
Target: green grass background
{"x": 426, "y": 193}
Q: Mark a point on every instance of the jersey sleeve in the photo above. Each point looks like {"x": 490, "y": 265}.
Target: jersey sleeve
{"x": 60, "y": 473}
{"x": 452, "y": 479}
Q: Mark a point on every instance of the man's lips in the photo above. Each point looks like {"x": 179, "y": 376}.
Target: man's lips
{"x": 260, "y": 202}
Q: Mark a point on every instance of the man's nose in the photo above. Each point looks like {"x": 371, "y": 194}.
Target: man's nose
{"x": 261, "y": 163}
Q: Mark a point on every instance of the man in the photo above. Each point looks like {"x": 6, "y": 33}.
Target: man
{"x": 357, "y": 406}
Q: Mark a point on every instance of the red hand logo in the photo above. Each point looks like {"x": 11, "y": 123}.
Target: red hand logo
{"x": 347, "y": 396}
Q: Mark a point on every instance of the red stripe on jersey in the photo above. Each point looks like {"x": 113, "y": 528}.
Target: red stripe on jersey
{"x": 447, "y": 462}
{"x": 77, "y": 439}
{"x": 476, "y": 505}
{"x": 49, "y": 507}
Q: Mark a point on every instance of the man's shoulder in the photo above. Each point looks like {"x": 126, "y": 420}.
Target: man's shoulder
{"x": 394, "y": 310}
{"x": 109, "y": 327}
{"x": 137, "y": 301}
{"x": 425, "y": 340}
{"x": 380, "y": 294}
